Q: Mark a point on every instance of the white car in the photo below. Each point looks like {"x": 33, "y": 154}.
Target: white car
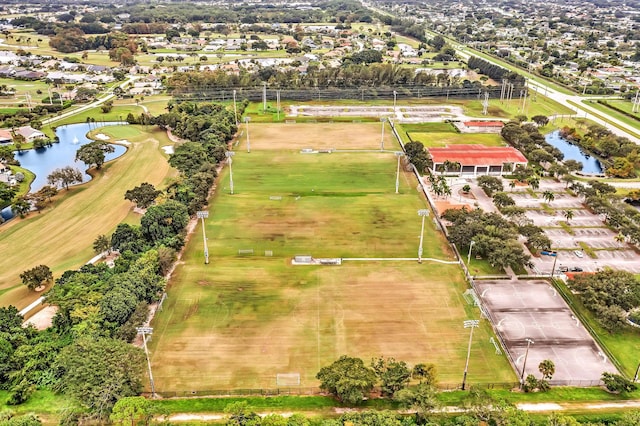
{"x": 578, "y": 253}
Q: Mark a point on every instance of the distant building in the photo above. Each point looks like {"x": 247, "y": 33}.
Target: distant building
{"x": 476, "y": 160}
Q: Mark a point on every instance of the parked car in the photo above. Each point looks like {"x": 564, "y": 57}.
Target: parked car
{"x": 578, "y": 253}
{"x": 576, "y": 269}
{"x": 563, "y": 269}
{"x": 549, "y": 253}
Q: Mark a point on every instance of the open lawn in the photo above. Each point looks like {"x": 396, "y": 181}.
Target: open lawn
{"x": 62, "y": 236}
{"x": 243, "y": 318}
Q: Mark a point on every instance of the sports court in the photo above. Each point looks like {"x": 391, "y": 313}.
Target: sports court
{"x": 532, "y": 309}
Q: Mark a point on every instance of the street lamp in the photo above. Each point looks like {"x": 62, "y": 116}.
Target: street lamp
{"x": 144, "y": 331}
{"x": 203, "y": 215}
{"x": 398, "y": 154}
{"x": 424, "y": 213}
{"x": 230, "y": 155}
{"x": 468, "y": 324}
{"x": 246, "y": 120}
{"x": 469, "y": 254}
{"x": 524, "y": 364}
{"x": 382, "y": 120}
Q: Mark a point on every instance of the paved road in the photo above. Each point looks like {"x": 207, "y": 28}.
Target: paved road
{"x": 573, "y": 102}
{"x": 93, "y": 104}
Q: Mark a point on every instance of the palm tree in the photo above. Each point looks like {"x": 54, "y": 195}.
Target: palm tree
{"x": 620, "y": 237}
{"x": 101, "y": 244}
{"x": 512, "y": 184}
{"x": 548, "y": 196}
{"x": 534, "y": 182}
{"x": 568, "y": 214}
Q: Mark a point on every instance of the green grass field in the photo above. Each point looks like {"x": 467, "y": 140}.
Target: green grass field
{"x": 442, "y": 134}
{"x": 62, "y": 236}
{"x": 242, "y": 319}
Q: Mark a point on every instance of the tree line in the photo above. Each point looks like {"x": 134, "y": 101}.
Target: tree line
{"x": 86, "y": 353}
{"x": 493, "y": 71}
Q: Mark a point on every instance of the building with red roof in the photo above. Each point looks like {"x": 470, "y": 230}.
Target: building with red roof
{"x": 475, "y": 160}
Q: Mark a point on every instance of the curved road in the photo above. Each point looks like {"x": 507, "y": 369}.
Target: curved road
{"x": 93, "y": 104}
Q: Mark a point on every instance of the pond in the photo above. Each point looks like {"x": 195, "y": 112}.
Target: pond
{"x": 43, "y": 161}
{"x": 573, "y": 152}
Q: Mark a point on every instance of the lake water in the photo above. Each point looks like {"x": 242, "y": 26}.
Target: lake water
{"x": 43, "y": 161}
{"x": 573, "y": 152}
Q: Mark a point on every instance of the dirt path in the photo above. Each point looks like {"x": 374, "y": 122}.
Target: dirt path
{"x": 542, "y": 407}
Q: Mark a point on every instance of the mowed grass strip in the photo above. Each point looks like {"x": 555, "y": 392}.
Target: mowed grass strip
{"x": 62, "y": 237}
{"x": 243, "y": 318}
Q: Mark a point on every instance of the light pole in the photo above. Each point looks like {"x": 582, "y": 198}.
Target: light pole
{"x": 553, "y": 268}
{"x": 395, "y": 95}
{"x": 144, "y": 331}
{"x": 246, "y": 120}
{"x": 203, "y": 215}
{"x": 424, "y": 213}
{"x": 635, "y": 378}
{"x": 382, "y": 120}
{"x": 235, "y": 109}
{"x": 524, "y": 364}
{"x": 469, "y": 254}
{"x": 230, "y": 155}
{"x": 468, "y": 324}
{"x": 398, "y": 154}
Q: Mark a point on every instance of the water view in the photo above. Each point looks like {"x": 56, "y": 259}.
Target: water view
{"x": 43, "y": 161}
{"x": 573, "y": 152}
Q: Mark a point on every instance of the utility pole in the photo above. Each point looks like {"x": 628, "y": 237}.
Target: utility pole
{"x": 469, "y": 254}
{"x": 144, "y": 331}
{"x": 264, "y": 96}
{"x": 203, "y": 215}
{"x": 468, "y": 324}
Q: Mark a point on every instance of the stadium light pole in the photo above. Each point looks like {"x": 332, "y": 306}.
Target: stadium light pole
{"x": 424, "y": 213}
{"x": 246, "y": 120}
{"x": 553, "y": 268}
{"x": 469, "y": 254}
{"x": 635, "y": 377}
{"x": 235, "y": 109}
{"x": 382, "y": 120}
{"x": 468, "y": 324}
{"x": 230, "y": 155}
{"x": 398, "y": 154}
{"x": 395, "y": 95}
{"x": 524, "y": 364}
{"x": 203, "y": 215}
{"x": 144, "y": 331}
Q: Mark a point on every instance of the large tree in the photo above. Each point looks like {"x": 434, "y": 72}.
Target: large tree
{"x": 94, "y": 153}
{"x": 36, "y": 277}
{"x": 164, "y": 221}
{"x": 348, "y": 379}
{"x": 143, "y": 196}
{"x": 99, "y": 372}
{"x": 64, "y": 177}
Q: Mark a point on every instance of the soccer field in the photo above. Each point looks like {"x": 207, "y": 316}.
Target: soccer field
{"x": 250, "y": 315}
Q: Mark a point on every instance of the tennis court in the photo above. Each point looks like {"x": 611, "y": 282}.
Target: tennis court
{"x": 532, "y": 310}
